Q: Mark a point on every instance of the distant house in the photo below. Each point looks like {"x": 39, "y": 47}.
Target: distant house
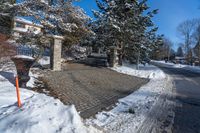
{"x": 22, "y": 26}
{"x": 180, "y": 60}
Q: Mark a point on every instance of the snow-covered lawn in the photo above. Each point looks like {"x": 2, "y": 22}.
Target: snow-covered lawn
{"x": 39, "y": 113}
{"x": 181, "y": 66}
{"x": 131, "y": 111}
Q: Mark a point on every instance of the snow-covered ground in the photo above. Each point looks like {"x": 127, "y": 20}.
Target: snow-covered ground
{"x": 45, "y": 60}
{"x": 42, "y": 113}
{"x": 39, "y": 113}
{"x": 181, "y": 66}
{"x": 131, "y": 111}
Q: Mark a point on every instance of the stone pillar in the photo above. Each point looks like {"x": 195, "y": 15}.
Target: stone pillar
{"x": 56, "y": 50}
{"x": 112, "y": 56}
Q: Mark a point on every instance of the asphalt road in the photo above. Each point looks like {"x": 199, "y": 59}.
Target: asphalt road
{"x": 187, "y": 99}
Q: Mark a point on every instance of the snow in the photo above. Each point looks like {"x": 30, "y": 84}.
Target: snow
{"x": 33, "y": 79}
{"x": 45, "y": 60}
{"x": 131, "y": 111}
{"x": 195, "y": 69}
{"x": 20, "y": 29}
{"x": 149, "y": 71}
{"x": 24, "y": 57}
{"x": 22, "y": 20}
{"x": 24, "y": 30}
{"x": 39, "y": 112}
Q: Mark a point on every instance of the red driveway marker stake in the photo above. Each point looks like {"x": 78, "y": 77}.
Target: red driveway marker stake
{"x": 18, "y": 94}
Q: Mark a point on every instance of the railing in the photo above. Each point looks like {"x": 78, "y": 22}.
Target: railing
{"x": 28, "y": 51}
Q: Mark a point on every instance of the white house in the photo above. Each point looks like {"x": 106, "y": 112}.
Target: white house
{"x": 22, "y": 26}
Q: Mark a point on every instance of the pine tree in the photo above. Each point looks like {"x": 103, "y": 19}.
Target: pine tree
{"x": 55, "y": 16}
{"x": 179, "y": 52}
{"x": 5, "y": 18}
{"x": 125, "y": 25}
{"x": 58, "y": 17}
{"x": 197, "y": 51}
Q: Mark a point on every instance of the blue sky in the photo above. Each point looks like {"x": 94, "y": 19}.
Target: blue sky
{"x": 171, "y": 13}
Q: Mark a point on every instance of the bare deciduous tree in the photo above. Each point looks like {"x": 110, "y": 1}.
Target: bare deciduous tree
{"x": 165, "y": 50}
{"x": 185, "y": 30}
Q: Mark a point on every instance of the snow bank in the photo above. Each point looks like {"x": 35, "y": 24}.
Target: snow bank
{"x": 42, "y": 114}
{"x": 148, "y": 71}
{"x": 131, "y": 111}
{"x": 39, "y": 113}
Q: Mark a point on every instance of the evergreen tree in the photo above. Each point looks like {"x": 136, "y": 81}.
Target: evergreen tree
{"x": 5, "y": 18}
{"x": 125, "y": 24}
{"x": 197, "y": 51}
{"x": 58, "y": 17}
{"x": 179, "y": 52}
{"x": 55, "y": 16}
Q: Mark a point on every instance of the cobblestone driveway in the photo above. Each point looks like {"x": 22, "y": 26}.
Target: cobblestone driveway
{"x": 91, "y": 89}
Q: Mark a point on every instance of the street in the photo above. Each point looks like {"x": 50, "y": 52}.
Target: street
{"x": 187, "y": 95}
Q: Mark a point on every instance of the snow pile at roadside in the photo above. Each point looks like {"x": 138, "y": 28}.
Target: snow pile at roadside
{"x": 148, "y": 71}
{"x": 39, "y": 113}
{"x": 181, "y": 66}
{"x": 132, "y": 110}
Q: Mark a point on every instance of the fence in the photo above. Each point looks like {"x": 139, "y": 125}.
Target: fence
{"x": 28, "y": 51}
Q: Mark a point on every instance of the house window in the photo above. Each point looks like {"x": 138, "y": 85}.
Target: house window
{"x": 20, "y": 25}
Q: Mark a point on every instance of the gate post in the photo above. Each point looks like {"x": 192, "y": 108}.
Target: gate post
{"x": 56, "y": 50}
{"x": 112, "y": 58}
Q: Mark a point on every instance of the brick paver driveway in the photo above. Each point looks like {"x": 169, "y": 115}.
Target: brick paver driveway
{"x": 90, "y": 89}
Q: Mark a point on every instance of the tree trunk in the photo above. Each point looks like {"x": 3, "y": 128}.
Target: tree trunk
{"x": 120, "y": 56}
{"x": 169, "y": 55}
{"x": 138, "y": 60}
